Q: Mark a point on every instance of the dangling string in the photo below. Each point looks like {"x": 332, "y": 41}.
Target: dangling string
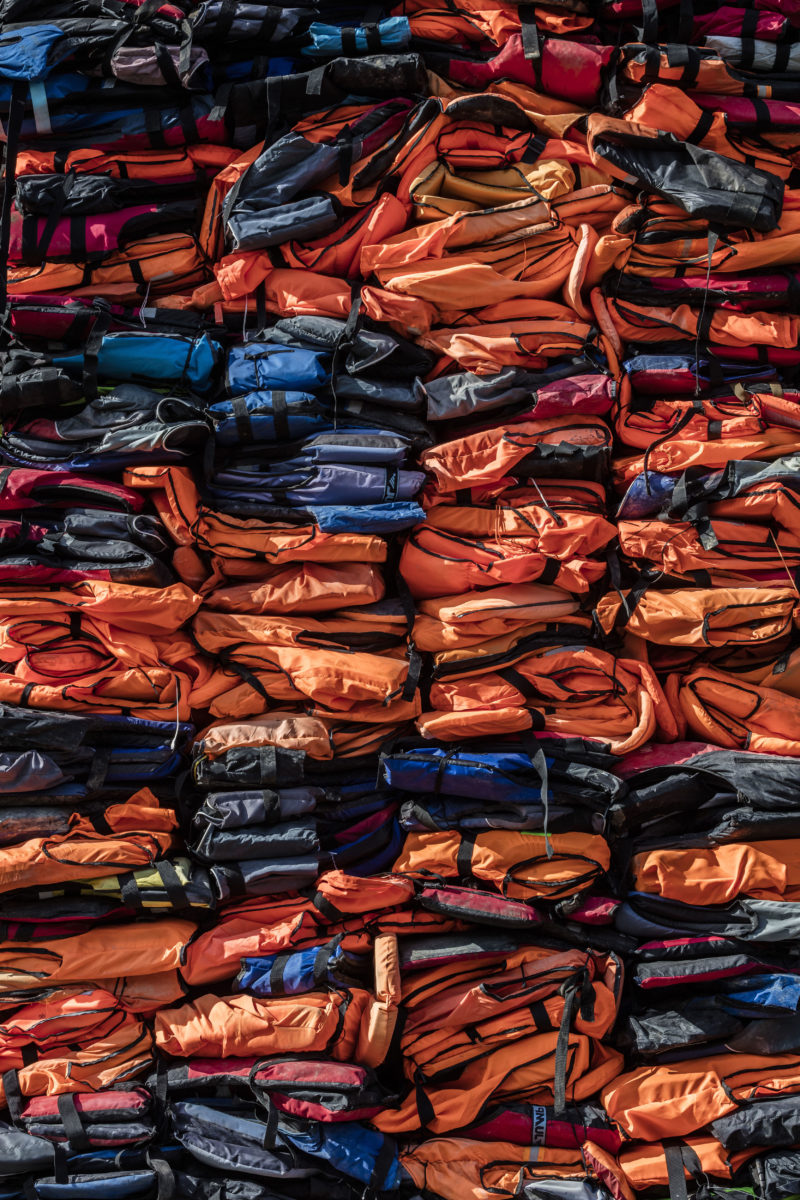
{"x": 143, "y": 306}
{"x": 792, "y": 580}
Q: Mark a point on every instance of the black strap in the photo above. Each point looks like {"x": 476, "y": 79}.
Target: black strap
{"x": 166, "y": 65}
{"x": 77, "y": 1136}
{"x": 244, "y": 426}
{"x": 129, "y": 891}
{"x": 384, "y": 1160}
{"x": 562, "y": 1051}
{"x": 650, "y": 22}
{"x": 523, "y": 685}
{"x": 13, "y": 1094}
{"x": 176, "y": 892}
{"x": 280, "y": 415}
{"x": 164, "y": 1176}
{"x": 464, "y": 854}
{"x": 224, "y": 21}
{"x": 675, "y": 1172}
{"x": 276, "y": 973}
{"x": 94, "y": 344}
{"x": 16, "y": 115}
{"x": 531, "y": 42}
{"x": 99, "y": 769}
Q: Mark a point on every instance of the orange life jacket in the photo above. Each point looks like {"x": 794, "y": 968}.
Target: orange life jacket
{"x": 645, "y": 1164}
{"x": 521, "y": 1071}
{"x": 530, "y": 992}
{"x": 83, "y": 664}
{"x": 162, "y": 263}
{"x": 148, "y": 949}
{"x": 137, "y": 832}
{"x": 493, "y": 454}
{"x": 336, "y": 679}
{"x": 667, "y": 240}
{"x": 454, "y": 1167}
{"x": 728, "y": 712}
{"x": 522, "y": 865}
{"x": 768, "y": 870}
{"x": 744, "y": 551}
{"x": 327, "y": 1023}
{"x": 652, "y": 1103}
{"x": 469, "y": 618}
{"x": 566, "y": 689}
{"x": 121, "y": 605}
{"x": 179, "y": 164}
{"x": 706, "y": 618}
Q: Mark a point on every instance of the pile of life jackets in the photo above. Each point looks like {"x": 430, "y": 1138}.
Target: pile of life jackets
{"x": 400, "y": 600}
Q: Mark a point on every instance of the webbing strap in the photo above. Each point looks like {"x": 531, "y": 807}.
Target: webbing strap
{"x": 77, "y": 1136}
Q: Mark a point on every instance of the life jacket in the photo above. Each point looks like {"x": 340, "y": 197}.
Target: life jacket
{"x": 36, "y": 239}
{"x": 164, "y": 263}
{"x": 647, "y": 1166}
{"x": 741, "y": 551}
{"x": 737, "y": 714}
{"x": 716, "y": 875}
{"x": 451, "y": 1021}
{"x": 115, "y": 1056}
{"x": 256, "y": 928}
{"x": 680, "y": 374}
{"x": 560, "y": 447}
{"x": 731, "y": 21}
{"x": 508, "y": 687}
{"x": 180, "y": 166}
{"x": 708, "y": 179}
{"x": 251, "y": 751}
{"x": 469, "y": 618}
{"x": 489, "y": 1169}
{"x": 462, "y": 395}
{"x": 342, "y": 678}
{"x": 565, "y": 865}
{"x": 652, "y": 1103}
{"x": 137, "y": 832}
{"x": 705, "y": 618}
{"x": 497, "y": 338}
{"x": 317, "y": 1023}
{"x": 575, "y": 770}
{"x": 667, "y": 240}
{"x": 767, "y": 1122}
{"x": 565, "y": 68}
{"x": 747, "y": 788}
{"x": 104, "y": 1120}
{"x": 152, "y": 948}
{"x": 754, "y": 423}
{"x": 102, "y": 436}
{"x": 673, "y": 111}
{"x": 122, "y": 606}
{"x": 553, "y": 533}
{"x": 439, "y": 260}
{"x": 353, "y": 1150}
{"x": 773, "y": 1173}
{"x": 25, "y": 489}
{"x": 185, "y": 361}
{"x": 759, "y": 292}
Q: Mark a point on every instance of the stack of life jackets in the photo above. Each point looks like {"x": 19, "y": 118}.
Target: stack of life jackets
{"x": 710, "y": 1023}
{"x": 399, "y": 676}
